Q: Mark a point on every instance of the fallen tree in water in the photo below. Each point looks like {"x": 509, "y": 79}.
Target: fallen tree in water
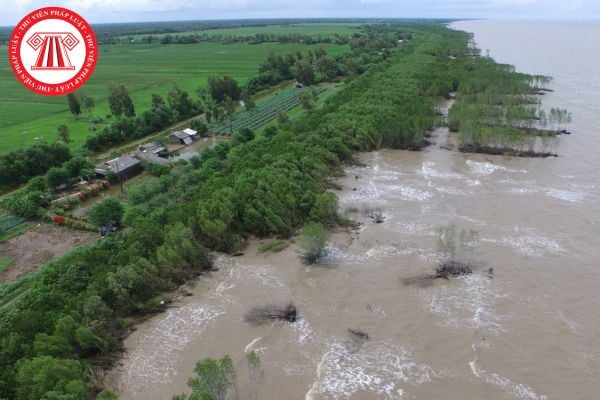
{"x": 453, "y": 268}
{"x": 358, "y": 334}
{"x": 263, "y": 314}
{"x": 357, "y": 339}
{"x": 446, "y": 271}
{"x": 504, "y": 151}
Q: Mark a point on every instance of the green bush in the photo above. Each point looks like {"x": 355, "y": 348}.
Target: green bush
{"x": 108, "y": 211}
{"x": 312, "y": 242}
{"x": 47, "y": 377}
{"x": 214, "y": 380}
{"x": 325, "y": 209}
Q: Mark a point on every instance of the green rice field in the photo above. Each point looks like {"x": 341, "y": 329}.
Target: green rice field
{"x": 27, "y": 118}
{"x": 316, "y": 29}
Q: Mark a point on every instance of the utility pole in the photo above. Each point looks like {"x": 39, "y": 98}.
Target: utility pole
{"x": 119, "y": 175}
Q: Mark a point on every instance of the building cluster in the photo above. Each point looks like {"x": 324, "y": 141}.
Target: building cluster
{"x": 129, "y": 165}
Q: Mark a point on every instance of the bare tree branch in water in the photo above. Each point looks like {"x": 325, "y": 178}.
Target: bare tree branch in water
{"x": 376, "y": 214}
{"x": 357, "y": 339}
{"x": 263, "y": 314}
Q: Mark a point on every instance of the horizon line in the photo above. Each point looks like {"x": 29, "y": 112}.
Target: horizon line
{"x": 451, "y": 19}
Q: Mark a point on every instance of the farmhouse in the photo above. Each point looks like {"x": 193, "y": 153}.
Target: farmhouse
{"x": 180, "y": 137}
{"x": 192, "y": 133}
{"x": 124, "y": 167}
{"x": 152, "y": 148}
{"x": 153, "y": 153}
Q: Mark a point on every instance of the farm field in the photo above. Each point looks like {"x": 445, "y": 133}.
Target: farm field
{"x": 31, "y": 249}
{"x": 26, "y": 118}
{"x": 9, "y": 222}
{"x": 10, "y": 226}
{"x": 265, "y": 111}
{"x": 316, "y": 29}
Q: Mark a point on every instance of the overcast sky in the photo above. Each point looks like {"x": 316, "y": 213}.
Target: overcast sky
{"x": 98, "y": 11}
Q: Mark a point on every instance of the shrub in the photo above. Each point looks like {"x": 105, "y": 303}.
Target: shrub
{"x": 106, "y": 212}
{"x": 215, "y": 380}
{"x": 57, "y": 177}
{"x": 325, "y": 209}
{"x": 312, "y": 242}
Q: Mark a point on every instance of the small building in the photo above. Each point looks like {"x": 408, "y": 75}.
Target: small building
{"x": 192, "y": 133}
{"x": 124, "y": 167}
{"x": 152, "y": 148}
{"x": 153, "y": 152}
{"x": 180, "y": 137}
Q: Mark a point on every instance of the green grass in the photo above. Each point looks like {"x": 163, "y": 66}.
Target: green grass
{"x": 274, "y": 246}
{"x": 143, "y": 69}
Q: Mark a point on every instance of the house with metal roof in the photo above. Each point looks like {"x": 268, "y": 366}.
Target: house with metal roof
{"x": 124, "y": 167}
{"x": 192, "y": 133}
{"x": 180, "y": 137}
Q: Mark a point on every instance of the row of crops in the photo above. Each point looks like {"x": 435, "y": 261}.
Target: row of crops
{"x": 264, "y": 111}
{"x": 8, "y": 222}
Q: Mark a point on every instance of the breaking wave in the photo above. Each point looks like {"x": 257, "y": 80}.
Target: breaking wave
{"x": 467, "y": 304}
{"x": 517, "y": 390}
{"x": 156, "y": 357}
{"x": 379, "y": 367}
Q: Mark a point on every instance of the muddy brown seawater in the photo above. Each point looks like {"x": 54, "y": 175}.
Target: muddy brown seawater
{"x": 531, "y": 332}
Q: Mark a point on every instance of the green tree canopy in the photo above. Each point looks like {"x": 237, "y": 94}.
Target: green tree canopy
{"x": 215, "y": 380}
{"x": 47, "y": 377}
{"x": 120, "y": 102}
{"x": 57, "y": 176}
{"x": 74, "y": 106}
{"x": 63, "y": 133}
{"x": 312, "y": 242}
{"x": 106, "y": 212}
{"x": 220, "y": 87}
{"x": 304, "y": 72}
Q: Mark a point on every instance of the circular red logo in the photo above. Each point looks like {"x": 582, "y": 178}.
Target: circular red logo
{"x": 53, "y": 51}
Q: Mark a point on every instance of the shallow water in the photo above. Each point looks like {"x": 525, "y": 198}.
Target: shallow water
{"x": 531, "y": 332}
